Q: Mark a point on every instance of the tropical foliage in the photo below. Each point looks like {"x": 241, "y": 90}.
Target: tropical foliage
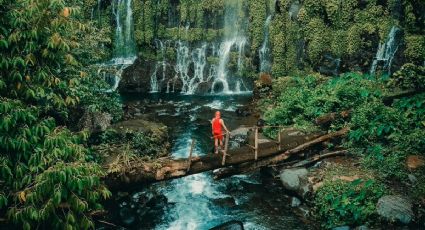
{"x": 45, "y": 177}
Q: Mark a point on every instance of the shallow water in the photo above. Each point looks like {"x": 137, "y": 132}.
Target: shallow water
{"x": 198, "y": 201}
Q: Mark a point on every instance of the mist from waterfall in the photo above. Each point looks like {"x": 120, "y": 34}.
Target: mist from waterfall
{"x": 386, "y": 52}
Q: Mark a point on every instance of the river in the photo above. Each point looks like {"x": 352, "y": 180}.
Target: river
{"x": 198, "y": 201}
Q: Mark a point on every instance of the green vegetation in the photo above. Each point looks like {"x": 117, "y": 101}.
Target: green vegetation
{"x": 46, "y": 179}
{"x": 349, "y": 30}
{"x": 341, "y": 203}
{"x": 383, "y": 132}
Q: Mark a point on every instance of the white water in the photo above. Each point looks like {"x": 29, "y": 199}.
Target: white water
{"x": 386, "y": 52}
{"x": 191, "y": 60}
{"x": 264, "y": 52}
{"x": 124, "y": 44}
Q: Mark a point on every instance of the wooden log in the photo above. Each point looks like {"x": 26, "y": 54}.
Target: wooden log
{"x": 317, "y": 158}
{"x": 138, "y": 172}
{"x": 189, "y": 162}
{"x": 273, "y": 160}
{"x": 256, "y": 143}
{"x": 226, "y": 146}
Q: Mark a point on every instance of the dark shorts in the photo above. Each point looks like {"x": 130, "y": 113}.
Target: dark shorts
{"x": 218, "y": 136}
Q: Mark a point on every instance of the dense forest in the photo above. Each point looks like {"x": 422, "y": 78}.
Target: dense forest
{"x": 70, "y": 136}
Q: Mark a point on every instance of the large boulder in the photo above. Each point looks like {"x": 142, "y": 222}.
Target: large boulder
{"x": 94, "y": 121}
{"x": 395, "y": 209}
{"x": 296, "y": 180}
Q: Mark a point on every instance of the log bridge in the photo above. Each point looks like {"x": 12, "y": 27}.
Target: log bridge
{"x": 258, "y": 152}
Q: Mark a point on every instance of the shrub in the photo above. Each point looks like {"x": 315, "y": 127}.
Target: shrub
{"x": 347, "y": 203}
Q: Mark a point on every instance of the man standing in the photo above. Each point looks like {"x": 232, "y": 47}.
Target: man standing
{"x": 217, "y": 124}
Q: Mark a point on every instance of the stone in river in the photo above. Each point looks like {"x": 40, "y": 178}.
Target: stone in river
{"x": 296, "y": 180}
{"x": 231, "y": 225}
{"x": 395, "y": 209}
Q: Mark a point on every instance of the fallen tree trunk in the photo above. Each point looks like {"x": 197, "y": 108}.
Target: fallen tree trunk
{"x": 139, "y": 173}
{"x": 251, "y": 166}
{"x": 136, "y": 173}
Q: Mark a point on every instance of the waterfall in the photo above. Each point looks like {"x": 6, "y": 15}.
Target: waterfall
{"x": 182, "y": 65}
{"x": 199, "y": 59}
{"x": 191, "y": 68}
{"x": 155, "y": 82}
{"x": 124, "y": 44}
{"x": 233, "y": 29}
{"x": 386, "y": 52}
{"x": 264, "y": 53}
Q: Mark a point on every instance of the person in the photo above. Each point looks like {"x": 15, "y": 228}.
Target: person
{"x": 217, "y": 125}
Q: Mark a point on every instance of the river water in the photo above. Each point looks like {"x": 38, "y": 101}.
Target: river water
{"x": 198, "y": 201}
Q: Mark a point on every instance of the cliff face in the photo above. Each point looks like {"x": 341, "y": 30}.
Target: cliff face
{"x": 187, "y": 38}
{"x": 338, "y": 36}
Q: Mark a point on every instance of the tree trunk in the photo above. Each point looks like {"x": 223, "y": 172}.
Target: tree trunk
{"x": 139, "y": 173}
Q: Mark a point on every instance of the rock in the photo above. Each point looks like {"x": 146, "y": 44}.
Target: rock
{"x": 342, "y": 228}
{"x": 225, "y": 202}
{"x": 295, "y": 202}
{"x": 266, "y": 79}
{"x": 231, "y": 225}
{"x": 329, "y": 65}
{"x": 412, "y": 178}
{"x": 363, "y": 227}
{"x": 136, "y": 78}
{"x": 395, "y": 208}
{"x": 296, "y": 180}
{"x": 239, "y": 137}
{"x": 94, "y": 121}
{"x": 243, "y": 112}
{"x": 414, "y": 162}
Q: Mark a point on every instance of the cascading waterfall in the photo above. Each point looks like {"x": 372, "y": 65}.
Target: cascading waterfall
{"x": 233, "y": 38}
{"x": 191, "y": 59}
{"x": 199, "y": 59}
{"x": 155, "y": 82}
{"x": 264, "y": 53}
{"x": 182, "y": 65}
{"x": 124, "y": 44}
{"x": 386, "y": 52}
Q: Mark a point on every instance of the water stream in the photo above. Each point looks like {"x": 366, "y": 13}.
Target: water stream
{"x": 198, "y": 201}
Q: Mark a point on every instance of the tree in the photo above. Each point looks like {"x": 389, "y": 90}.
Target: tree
{"x": 45, "y": 179}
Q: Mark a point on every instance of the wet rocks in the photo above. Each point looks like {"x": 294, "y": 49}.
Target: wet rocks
{"x": 231, "y": 225}
{"x": 395, "y": 209}
{"x": 136, "y": 78}
{"x": 295, "y": 202}
{"x": 94, "y": 121}
{"x": 225, "y": 202}
{"x": 296, "y": 180}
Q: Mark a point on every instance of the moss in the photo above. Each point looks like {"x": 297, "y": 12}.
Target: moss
{"x": 415, "y": 48}
{"x": 257, "y": 16}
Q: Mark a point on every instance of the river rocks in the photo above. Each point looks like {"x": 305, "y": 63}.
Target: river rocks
{"x": 395, "y": 208}
{"x": 225, "y": 202}
{"x": 342, "y": 228}
{"x": 296, "y": 180}
{"x": 239, "y": 137}
{"x": 95, "y": 121}
{"x": 295, "y": 202}
{"x": 231, "y": 225}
